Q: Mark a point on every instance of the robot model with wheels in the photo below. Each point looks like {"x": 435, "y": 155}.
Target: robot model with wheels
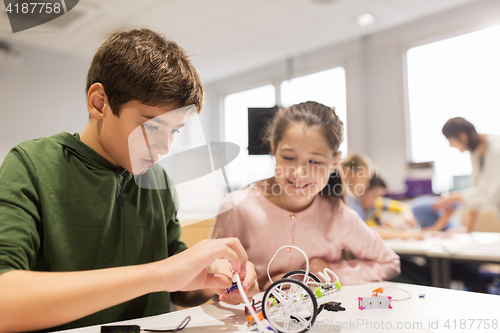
{"x": 292, "y": 303}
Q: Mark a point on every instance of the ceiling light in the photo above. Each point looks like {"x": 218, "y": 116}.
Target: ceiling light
{"x": 365, "y": 19}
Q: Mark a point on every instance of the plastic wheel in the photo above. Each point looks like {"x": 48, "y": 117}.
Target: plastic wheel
{"x": 299, "y": 275}
{"x": 290, "y": 306}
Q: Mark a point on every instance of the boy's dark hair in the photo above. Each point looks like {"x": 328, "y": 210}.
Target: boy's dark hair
{"x": 142, "y": 65}
{"x": 454, "y": 126}
{"x": 376, "y": 181}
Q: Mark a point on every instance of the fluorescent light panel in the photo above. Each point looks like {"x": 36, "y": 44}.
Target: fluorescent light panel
{"x": 365, "y": 19}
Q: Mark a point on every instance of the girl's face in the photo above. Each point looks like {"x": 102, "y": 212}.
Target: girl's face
{"x": 304, "y": 162}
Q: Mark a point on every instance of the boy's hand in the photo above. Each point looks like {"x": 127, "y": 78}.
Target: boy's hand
{"x": 410, "y": 219}
{"x": 248, "y": 281}
{"x": 189, "y": 270}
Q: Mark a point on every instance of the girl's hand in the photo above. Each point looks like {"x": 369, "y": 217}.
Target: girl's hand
{"x": 317, "y": 265}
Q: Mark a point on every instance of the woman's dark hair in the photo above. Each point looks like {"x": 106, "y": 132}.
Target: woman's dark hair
{"x": 311, "y": 114}
{"x": 142, "y": 65}
{"x": 377, "y": 181}
{"x": 457, "y": 125}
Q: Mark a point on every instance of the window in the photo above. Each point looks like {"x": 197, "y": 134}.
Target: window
{"x": 326, "y": 87}
{"x": 454, "y": 77}
{"x": 246, "y": 168}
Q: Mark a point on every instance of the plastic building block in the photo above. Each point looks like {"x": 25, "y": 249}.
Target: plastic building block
{"x": 376, "y": 302}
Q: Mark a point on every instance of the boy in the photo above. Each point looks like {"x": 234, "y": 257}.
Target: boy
{"x": 81, "y": 242}
{"x": 391, "y": 219}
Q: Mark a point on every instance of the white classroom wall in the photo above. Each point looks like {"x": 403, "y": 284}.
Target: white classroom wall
{"x": 45, "y": 95}
{"x": 375, "y": 75}
{"x": 42, "y": 96}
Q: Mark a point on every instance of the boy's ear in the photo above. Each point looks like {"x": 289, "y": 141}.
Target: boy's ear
{"x": 96, "y": 101}
{"x": 272, "y": 148}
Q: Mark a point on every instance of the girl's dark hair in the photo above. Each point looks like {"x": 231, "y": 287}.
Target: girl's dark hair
{"x": 311, "y": 114}
{"x": 457, "y": 125}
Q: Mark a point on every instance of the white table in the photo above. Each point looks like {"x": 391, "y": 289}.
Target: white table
{"x": 447, "y": 247}
{"x": 439, "y": 308}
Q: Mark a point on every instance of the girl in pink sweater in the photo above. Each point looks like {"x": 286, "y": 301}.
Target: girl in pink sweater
{"x": 303, "y": 205}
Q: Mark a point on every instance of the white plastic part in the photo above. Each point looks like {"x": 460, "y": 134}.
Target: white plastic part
{"x": 326, "y": 277}
{"x": 306, "y": 275}
{"x": 260, "y": 325}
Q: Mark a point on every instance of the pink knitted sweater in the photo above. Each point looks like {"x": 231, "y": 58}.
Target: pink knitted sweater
{"x": 322, "y": 230}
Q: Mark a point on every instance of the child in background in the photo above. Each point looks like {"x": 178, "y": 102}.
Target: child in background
{"x": 432, "y": 220}
{"x": 302, "y": 205}
{"x": 357, "y": 171}
{"x": 397, "y": 215}
{"x": 385, "y": 212}
{"x": 391, "y": 219}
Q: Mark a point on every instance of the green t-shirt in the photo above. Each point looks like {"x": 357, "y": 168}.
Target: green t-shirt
{"x": 63, "y": 207}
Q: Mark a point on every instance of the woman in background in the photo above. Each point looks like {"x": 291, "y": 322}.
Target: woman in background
{"x": 485, "y": 157}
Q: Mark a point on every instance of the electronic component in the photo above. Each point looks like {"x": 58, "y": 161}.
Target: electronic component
{"x": 374, "y": 302}
{"x": 259, "y": 322}
{"x": 334, "y": 306}
{"x": 380, "y": 302}
{"x": 235, "y": 283}
{"x": 234, "y": 286}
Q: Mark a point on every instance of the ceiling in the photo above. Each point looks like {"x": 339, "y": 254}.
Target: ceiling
{"x": 224, "y": 37}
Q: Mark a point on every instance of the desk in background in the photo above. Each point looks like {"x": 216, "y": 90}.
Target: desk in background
{"x": 475, "y": 247}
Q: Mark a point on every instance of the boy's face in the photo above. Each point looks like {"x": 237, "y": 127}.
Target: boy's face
{"x": 368, "y": 198}
{"x": 137, "y": 137}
